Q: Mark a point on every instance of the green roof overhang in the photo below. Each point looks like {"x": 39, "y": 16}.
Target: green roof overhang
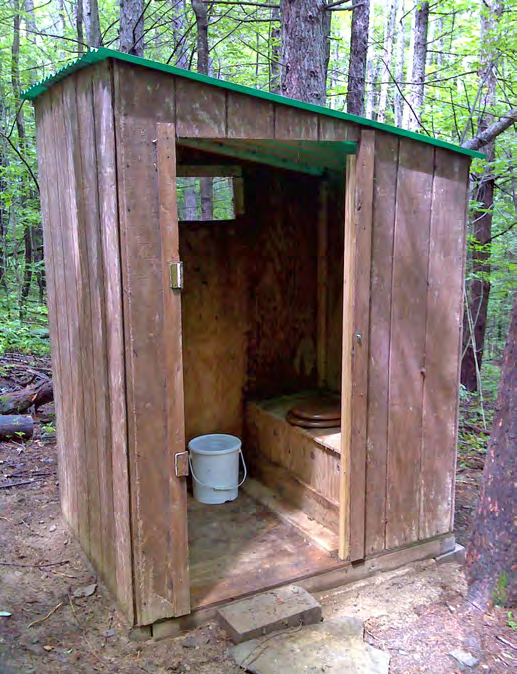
{"x": 101, "y": 54}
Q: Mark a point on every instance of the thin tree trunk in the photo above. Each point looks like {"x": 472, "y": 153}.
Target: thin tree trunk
{"x": 358, "y": 55}
{"x": 492, "y": 549}
{"x": 479, "y": 290}
{"x": 371, "y": 68}
{"x": 415, "y": 97}
{"x": 398, "y": 102}
{"x": 20, "y": 127}
{"x": 91, "y": 23}
{"x": 305, "y": 50}
{"x": 79, "y": 25}
{"x": 179, "y": 12}
{"x": 274, "y": 67}
{"x": 131, "y": 30}
{"x": 201, "y": 13}
{"x": 389, "y": 36}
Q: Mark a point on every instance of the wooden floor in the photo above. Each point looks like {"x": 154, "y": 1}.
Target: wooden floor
{"x": 243, "y": 547}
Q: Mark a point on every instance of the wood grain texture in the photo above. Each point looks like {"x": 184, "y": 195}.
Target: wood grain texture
{"x": 442, "y": 357}
{"x": 249, "y": 118}
{"x": 109, "y": 364}
{"x": 293, "y": 124}
{"x": 178, "y": 556}
{"x": 337, "y": 130}
{"x": 407, "y": 349}
{"x": 200, "y": 110}
{"x": 136, "y": 117}
{"x": 66, "y": 231}
{"x": 215, "y": 313}
{"x": 385, "y": 188}
{"x": 346, "y": 369}
{"x": 361, "y": 335}
{"x": 48, "y": 210}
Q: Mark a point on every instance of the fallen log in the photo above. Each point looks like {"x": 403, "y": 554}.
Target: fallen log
{"x": 16, "y": 427}
{"x": 17, "y": 402}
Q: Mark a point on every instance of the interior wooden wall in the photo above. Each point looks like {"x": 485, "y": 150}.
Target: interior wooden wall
{"x": 76, "y": 154}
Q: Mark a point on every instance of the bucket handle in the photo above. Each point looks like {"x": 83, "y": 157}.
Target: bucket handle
{"x": 203, "y": 484}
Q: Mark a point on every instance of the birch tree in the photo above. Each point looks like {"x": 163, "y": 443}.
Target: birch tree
{"x": 398, "y": 102}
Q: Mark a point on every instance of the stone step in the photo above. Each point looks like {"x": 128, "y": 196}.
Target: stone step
{"x": 271, "y": 611}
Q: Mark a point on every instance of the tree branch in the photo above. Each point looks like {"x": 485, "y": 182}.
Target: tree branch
{"x": 21, "y": 157}
{"x": 494, "y": 130}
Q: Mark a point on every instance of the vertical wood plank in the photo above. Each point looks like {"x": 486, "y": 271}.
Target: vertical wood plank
{"x": 361, "y": 331}
{"x": 346, "y": 370}
{"x": 294, "y": 124}
{"x": 49, "y": 209}
{"x": 321, "y": 347}
{"x": 116, "y": 475}
{"x": 150, "y": 462}
{"x": 179, "y": 561}
{"x": 78, "y": 287}
{"x": 407, "y": 350}
{"x": 443, "y": 341}
{"x": 200, "y": 110}
{"x": 249, "y": 118}
{"x": 385, "y": 188}
{"x": 65, "y": 283}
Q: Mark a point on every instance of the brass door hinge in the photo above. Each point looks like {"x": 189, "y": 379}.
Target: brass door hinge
{"x": 181, "y": 464}
{"x": 176, "y": 275}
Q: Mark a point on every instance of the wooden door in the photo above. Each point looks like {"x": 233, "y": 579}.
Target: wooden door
{"x": 178, "y": 564}
{"x": 356, "y": 314}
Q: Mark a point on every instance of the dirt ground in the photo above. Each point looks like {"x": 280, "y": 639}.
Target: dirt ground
{"x": 417, "y": 613}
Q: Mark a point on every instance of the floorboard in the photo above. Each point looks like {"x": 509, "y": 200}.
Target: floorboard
{"x": 243, "y": 547}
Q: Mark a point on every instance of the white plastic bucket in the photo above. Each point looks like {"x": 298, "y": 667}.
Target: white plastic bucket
{"x": 214, "y": 464}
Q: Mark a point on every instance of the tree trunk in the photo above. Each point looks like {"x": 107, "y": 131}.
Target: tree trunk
{"x": 371, "y": 70}
{"x": 79, "y": 25}
{"x": 201, "y": 13}
{"x": 131, "y": 30}
{"x": 415, "y": 97}
{"x": 389, "y": 36}
{"x": 91, "y": 23}
{"x": 358, "y": 55}
{"x": 492, "y": 548}
{"x": 398, "y": 103}
{"x": 479, "y": 290}
{"x": 179, "y": 28}
{"x": 16, "y": 427}
{"x": 305, "y": 51}
{"x": 274, "y": 67}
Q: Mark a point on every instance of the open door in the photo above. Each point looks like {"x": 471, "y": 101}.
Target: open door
{"x": 172, "y": 278}
{"x": 356, "y": 328}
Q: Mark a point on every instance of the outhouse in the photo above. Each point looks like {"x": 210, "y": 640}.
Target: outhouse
{"x": 216, "y": 255}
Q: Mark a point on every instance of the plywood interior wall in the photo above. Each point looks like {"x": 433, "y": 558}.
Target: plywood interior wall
{"x": 250, "y": 300}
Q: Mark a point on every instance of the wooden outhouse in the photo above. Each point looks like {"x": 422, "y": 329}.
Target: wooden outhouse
{"x": 337, "y": 266}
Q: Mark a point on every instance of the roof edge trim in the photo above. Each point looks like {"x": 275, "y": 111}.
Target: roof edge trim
{"x": 102, "y": 53}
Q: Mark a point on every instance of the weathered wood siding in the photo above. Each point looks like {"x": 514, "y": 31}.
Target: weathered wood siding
{"x": 418, "y": 252}
{"x": 79, "y": 204}
{"x": 97, "y": 145}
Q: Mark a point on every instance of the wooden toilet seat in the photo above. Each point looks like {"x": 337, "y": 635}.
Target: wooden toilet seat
{"x": 323, "y": 412}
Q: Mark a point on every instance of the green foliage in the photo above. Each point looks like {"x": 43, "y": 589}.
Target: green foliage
{"x": 511, "y": 622}
{"x": 241, "y": 50}
{"x": 500, "y": 589}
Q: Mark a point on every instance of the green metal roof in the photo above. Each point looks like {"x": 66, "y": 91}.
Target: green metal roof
{"x": 100, "y": 54}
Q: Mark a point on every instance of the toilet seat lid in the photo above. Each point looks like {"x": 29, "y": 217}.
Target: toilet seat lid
{"x": 312, "y": 423}
{"x": 318, "y": 409}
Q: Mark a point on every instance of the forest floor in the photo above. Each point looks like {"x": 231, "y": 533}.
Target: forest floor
{"x": 419, "y": 613}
